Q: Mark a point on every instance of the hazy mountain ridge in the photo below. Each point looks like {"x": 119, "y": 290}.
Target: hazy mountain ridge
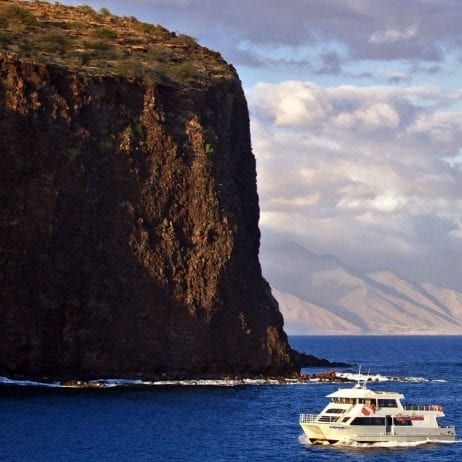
{"x": 319, "y": 294}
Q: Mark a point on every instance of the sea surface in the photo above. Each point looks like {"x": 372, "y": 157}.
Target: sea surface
{"x": 231, "y": 423}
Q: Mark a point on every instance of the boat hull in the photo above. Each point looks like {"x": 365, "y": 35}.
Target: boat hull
{"x": 332, "y": 434}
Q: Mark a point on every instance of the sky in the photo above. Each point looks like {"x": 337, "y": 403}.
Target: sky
{"x": 356, "y": 121}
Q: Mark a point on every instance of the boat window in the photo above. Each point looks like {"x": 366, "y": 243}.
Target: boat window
{"x": 345, "y": 419}
{"x": 335, "y": 411}
{"x": 369, "y": 421}
{"x": 328, "y": 418}
{"x": 366, "y": 401}
{"x": 343, "y": 400}
{"x": 387, "y": 403}
{"x": 402, "y": 421}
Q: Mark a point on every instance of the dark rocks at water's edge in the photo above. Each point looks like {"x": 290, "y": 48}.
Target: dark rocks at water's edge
{"x": 174, "y": 380}
{"x": 306, "y": 360}
{"x": 128, "y": 212}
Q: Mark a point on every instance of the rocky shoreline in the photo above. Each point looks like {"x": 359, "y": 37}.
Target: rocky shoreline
{"x": 302, "y": 360}
{"x": 329, "y": 376}
{"x": 129, "y": 211}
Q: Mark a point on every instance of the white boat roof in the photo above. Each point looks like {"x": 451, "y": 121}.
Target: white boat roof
{"x": 362, "y": 392}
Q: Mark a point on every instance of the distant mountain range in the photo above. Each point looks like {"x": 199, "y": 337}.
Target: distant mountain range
{"x": 319, "y": 294}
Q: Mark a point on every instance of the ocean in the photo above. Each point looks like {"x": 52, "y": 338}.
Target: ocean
{"x": 231, "y": 423}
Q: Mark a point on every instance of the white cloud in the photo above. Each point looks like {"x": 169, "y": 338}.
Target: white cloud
{"x": 371, "y": 116}
{"x": 362, "y": 173}
{"x": 251, "y": 33}
{"x": 373, "y": 174}
{"x": 391, "y": 35}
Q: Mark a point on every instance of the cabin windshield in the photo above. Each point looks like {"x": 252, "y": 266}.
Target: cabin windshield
{"x": 368, "y": 421}
{"x": 367, "y": 401}
{"x": 388, "y": 403}
{"x": 363, "y": 401}
{"x": 343, "y": 400}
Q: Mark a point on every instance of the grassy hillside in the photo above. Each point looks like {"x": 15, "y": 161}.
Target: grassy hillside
{"x": 82, "y": 39}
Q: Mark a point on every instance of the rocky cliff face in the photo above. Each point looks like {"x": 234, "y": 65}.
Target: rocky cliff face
{"x": 129, "y": 227}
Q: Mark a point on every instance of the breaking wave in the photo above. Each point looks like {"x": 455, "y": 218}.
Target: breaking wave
{"x": 27, "y": 383}
{"x": 115, "y": 382}
{"x": 111, "y": 383}
{"x": 385, "y": 378}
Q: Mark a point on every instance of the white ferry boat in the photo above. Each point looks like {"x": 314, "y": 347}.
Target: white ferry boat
{"x": 361, "y": 415}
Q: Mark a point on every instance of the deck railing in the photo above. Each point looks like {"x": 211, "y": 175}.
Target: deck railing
{"x": 310, "y": 418}
{"x": 425, "y": 408}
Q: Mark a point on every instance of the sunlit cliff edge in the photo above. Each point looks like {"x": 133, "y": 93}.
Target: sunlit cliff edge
{"x": 128, "y": 207}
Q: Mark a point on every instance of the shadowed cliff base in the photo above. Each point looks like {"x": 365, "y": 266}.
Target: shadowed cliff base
{"x": 129, "y": 228}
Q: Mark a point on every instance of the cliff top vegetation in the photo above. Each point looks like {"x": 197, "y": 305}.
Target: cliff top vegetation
{"x": 98, "y": 42}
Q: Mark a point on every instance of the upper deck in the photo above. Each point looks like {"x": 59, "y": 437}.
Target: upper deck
{"x": 360, "y": 391}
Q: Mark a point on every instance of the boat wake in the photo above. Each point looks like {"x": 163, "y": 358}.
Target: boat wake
{"x": 395, "y": 444}
{"x": 303, "y": 440}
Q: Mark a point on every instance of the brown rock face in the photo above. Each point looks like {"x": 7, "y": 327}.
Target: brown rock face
{"x": 129, "y": 229}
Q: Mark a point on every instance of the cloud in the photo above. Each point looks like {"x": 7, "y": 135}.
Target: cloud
{"x": 395, "y": 76}
{"x": 368, "y": 29}
{"x": 316, "y": 38}
{"x": 331, "y": 63}
{"x": 371, "y": 174}
{"x": 392, "y": 36}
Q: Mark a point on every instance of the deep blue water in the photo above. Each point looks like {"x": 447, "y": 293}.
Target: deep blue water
{"x": 258, "y": 422}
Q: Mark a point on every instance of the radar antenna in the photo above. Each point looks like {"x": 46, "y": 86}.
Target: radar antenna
{"x": 362, "y": 382}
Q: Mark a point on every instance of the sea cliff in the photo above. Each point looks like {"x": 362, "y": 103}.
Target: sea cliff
{"x": 128, "y": 206}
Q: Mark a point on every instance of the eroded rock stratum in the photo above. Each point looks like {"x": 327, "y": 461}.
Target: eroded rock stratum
{"x": 129, "y": 221}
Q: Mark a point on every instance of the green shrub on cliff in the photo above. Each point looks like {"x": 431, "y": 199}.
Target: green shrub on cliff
{"x": 79, "y": 58}
{"x": 78, "y": 26}
{"x": 16, "y": 17}
{"x": 187, "y": 39}
{"x": 5, "y": 38}
{"x": 134, "y": 132}
{"x": 88, "y": 10}
{"x": 70, "y": 153}
{"x": 104, "y": 11}
{"x": 156, "y": 55}
{"x": 129, "y": 68}
{"x": 101, "y": 49}
{"x": 209, "y": 149}
{"x": 100, "y": 43}
{"x": 52, "y": 42}
{"x": 183, "y": 72}
{"x": 104, "y": 33}
{"x": 150, "y": 29}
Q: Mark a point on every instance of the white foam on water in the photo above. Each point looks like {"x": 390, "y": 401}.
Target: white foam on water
{"x": 385, "y": 378}
{"x": 116, "y": 382}
{"x": 387, "y": 444}
{"x": 111, "y": 383}
{"x": 303, "y": 440}
{"x": 27, "y": 383}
